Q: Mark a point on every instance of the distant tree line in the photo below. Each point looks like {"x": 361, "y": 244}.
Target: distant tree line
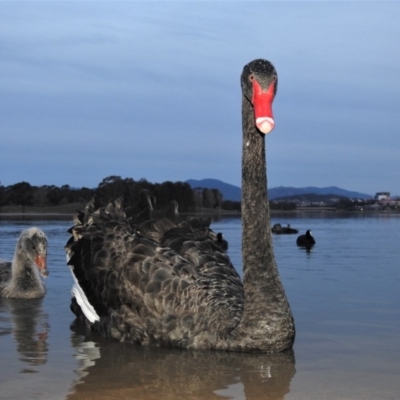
{"x": 24, "y": 195}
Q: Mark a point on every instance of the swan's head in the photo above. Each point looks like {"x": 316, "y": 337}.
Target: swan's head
{"x": 259, "y": 82}
{"x": 33, "y": 242}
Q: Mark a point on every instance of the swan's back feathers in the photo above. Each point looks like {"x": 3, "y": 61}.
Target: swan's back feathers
{"x": 159, "y": 282}
{"x": 142, "y": 209}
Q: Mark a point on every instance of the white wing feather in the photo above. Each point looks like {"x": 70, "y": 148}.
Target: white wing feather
{"x": 82, "y": 300}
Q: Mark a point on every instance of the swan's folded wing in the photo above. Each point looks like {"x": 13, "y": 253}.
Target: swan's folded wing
{"x": 103, "y": 258}
{"x": 144, "y": 290}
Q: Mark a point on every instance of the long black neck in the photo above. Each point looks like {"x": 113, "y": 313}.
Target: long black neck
{"x": 259, "y": 264}
{"x": 264, "y": 294}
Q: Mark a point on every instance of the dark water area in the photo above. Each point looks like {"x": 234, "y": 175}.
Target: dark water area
{"x": 344, "y": 294}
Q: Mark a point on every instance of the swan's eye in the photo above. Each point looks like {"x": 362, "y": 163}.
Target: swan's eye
{"x": 251, "y": 78}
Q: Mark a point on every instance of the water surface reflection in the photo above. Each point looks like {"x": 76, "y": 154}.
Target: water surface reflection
{"x": 29, "y": 326}
{"x": 344, "y": 295}
{"x": 114, "y": 370}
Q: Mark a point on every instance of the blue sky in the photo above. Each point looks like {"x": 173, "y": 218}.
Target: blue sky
{"x": 151, "y": 90}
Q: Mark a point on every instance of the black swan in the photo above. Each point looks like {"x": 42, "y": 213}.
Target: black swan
{"x": 22, "y": 278}
{"x": 167, "y": 283}
{"x": 306, "y": 240}
{"x": 282, "y": 230}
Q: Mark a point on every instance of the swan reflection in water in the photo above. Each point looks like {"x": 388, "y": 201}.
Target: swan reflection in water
{"x": 29, "y": 327}
{"x": 108, "y": 369}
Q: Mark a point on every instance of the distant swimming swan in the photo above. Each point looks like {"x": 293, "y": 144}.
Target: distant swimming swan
{"x": 306, "y": 240}
{"x": 22, "y": 277}
{"x": 169, "y": 283}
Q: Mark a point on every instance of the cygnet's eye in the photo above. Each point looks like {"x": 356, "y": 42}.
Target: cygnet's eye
{"x": 251, "y": 78}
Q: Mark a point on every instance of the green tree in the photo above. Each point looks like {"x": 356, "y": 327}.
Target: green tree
{"x": 111, "y": 187}
{"x": 3, "y": 196}
{"x": 21, "y": 194}
{"x": 40, "y": 196}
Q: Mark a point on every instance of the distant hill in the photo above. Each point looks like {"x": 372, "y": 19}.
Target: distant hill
{"x": 234, "y": 193}
{"x": 230, "y": 192}
{"x": 282, "y": 191}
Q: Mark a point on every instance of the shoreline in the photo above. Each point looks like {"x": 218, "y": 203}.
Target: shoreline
{"x": 222, "y": 213}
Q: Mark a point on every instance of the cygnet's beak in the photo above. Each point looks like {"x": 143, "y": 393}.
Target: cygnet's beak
{"x": 41, "y": 263}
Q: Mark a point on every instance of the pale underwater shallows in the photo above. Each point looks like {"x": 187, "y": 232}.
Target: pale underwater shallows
{"x": 344, "y": 294}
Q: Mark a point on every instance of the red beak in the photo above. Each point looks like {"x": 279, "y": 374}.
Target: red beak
{"x": 262, "y": 103}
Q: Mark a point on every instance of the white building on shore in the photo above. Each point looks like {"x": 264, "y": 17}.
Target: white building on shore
{"x": 379, "y": 196}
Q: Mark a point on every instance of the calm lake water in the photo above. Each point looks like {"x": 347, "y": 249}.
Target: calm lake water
{"x": 344, "y": 293}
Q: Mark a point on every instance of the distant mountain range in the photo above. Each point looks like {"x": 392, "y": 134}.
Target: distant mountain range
{"x": 234, "y": 193}
{"x": 230, "y": 192}
{"x": 282, "y": 191}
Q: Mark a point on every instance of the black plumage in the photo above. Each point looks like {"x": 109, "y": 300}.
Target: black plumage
{"x": 154, "y": 279}
{"x": 307, "y": 240}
